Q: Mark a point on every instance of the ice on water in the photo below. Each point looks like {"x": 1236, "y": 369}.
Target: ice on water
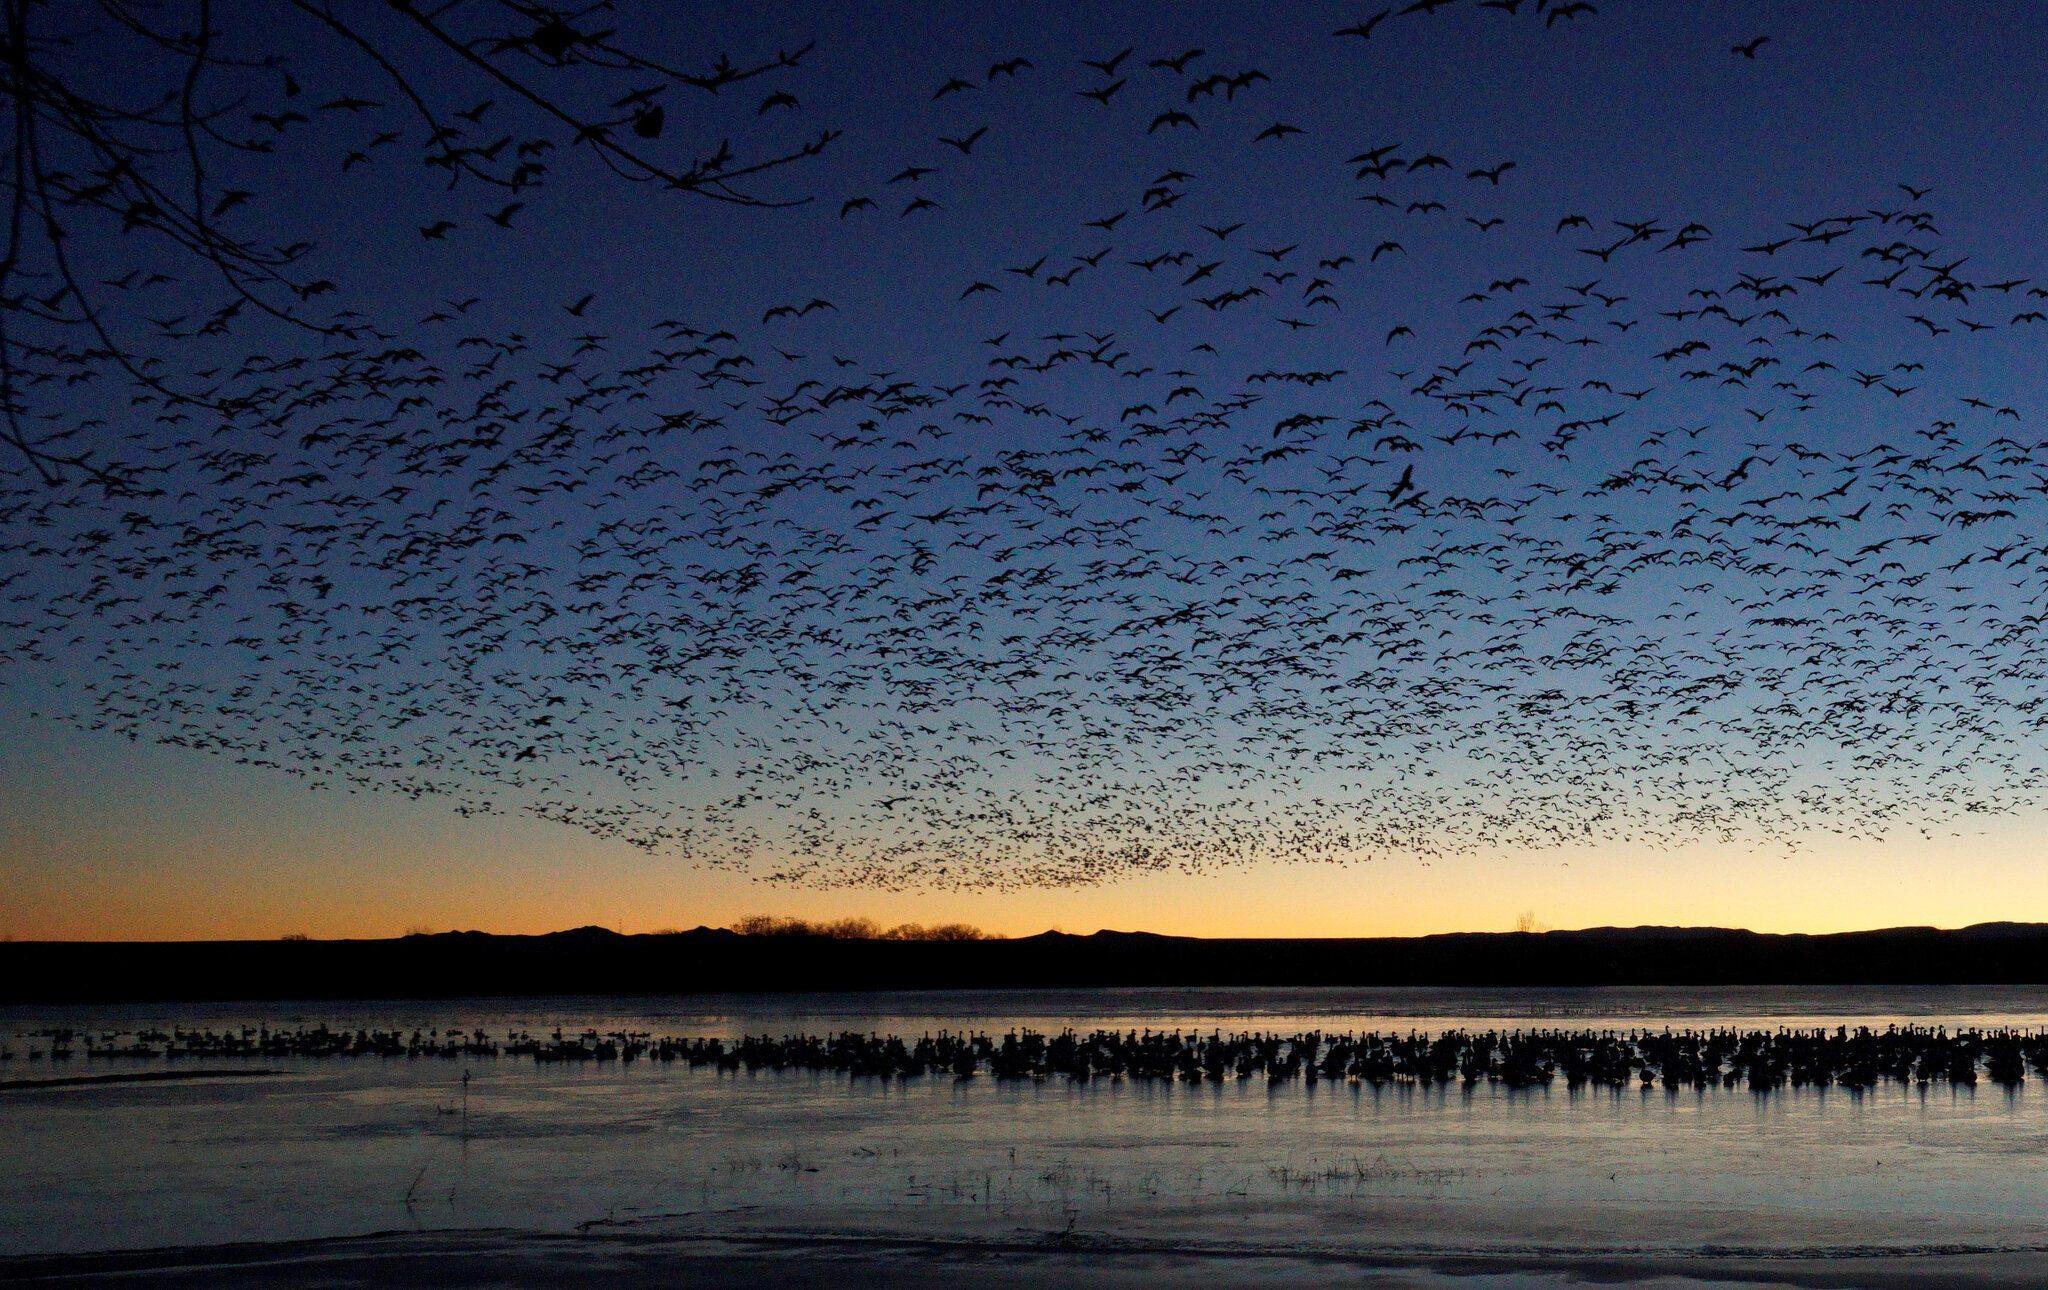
{"x": 358, "y": 1145}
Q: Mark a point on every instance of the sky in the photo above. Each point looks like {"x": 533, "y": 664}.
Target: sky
{"x": 587, "y": 601}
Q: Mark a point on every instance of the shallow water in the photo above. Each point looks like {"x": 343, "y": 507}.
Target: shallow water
{"x": 363, "y": 1144}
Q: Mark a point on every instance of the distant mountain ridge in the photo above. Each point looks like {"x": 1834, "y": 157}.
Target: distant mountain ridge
{"x": 597, "y": 960}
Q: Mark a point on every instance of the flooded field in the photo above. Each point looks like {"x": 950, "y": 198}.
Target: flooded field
{"x": 336, "y": 1146}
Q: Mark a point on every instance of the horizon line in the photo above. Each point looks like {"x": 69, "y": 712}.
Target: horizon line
{"x": 703, "y": 928}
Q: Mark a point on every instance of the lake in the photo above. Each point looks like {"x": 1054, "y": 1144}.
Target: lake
{"x": 341, "y": 1146}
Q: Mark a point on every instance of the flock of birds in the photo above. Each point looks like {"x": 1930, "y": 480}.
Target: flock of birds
{"x": 1723, "y": 1057}
{"x": 1681, "y": 533}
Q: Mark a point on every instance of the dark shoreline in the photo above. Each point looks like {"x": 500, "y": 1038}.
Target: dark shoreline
{"x": 589, "y": 961}
{"x": 454, "y": 1259}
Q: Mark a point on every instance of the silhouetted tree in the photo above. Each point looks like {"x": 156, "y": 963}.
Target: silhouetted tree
{"x": 147, "y": 137}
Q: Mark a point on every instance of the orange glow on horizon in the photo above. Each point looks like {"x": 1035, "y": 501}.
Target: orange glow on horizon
{"x": 140, "y": 843}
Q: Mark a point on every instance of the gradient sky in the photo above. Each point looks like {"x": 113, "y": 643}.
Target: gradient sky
{"x": 1637, "y": 111}
{"x": 129, "y": 841}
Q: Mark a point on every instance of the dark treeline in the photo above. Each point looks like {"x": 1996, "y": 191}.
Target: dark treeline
{"x": 596, "y": 961}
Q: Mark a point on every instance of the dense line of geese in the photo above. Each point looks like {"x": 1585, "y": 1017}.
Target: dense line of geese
{"x": 1762, "y": 1060}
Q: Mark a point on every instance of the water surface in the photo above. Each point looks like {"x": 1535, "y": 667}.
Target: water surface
{"x": 333, "y": 1147}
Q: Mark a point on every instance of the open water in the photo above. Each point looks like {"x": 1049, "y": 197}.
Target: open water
{"x": 343, "y": 1146}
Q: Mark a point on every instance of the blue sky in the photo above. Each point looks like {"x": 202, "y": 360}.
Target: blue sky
{"x": 751, "y": 660}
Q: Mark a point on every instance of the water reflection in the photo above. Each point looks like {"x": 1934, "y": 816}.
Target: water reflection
{"x": 367, "y": 1144}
